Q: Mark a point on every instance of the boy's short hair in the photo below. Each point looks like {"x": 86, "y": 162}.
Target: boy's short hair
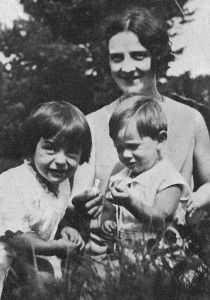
{"x": 144, "y": 112}
{"x": 62, "y": 121}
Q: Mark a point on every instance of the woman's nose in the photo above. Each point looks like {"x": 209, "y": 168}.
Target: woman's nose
{"x": 128, "y": 65}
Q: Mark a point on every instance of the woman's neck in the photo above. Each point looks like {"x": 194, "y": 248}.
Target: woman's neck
{"x": 151, "y": 92}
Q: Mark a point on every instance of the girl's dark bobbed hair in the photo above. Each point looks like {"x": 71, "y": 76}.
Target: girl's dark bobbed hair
{"x": 63, "y": 122}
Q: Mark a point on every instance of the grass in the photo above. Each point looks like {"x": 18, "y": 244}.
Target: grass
{"x": 156, "y": 269}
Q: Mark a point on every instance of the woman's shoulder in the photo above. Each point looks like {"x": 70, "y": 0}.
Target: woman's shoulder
{"x": 181, "y": 107}
{"x": 104, "y": 112}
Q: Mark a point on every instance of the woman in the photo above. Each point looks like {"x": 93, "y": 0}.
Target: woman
{"x": 139, "y": 50}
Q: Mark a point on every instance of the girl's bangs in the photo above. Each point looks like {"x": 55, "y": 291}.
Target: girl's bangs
{"x": 69, "y": 136}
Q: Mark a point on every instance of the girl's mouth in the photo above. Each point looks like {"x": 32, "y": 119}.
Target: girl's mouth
{"x": 58, "y": 173}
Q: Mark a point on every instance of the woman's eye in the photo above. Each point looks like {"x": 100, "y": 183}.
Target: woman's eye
{"x": 116, "y": 57}
{"x": 139, "y": 55}
{"x": 50, "y": 149}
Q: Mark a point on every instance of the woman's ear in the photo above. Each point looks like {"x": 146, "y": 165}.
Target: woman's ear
{"x": 162, "y": 137}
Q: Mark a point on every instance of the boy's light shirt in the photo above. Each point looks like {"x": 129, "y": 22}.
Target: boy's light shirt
{"x": 145, "y": 186}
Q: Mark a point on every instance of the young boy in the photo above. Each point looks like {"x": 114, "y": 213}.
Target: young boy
{"x": 149, "y": 190}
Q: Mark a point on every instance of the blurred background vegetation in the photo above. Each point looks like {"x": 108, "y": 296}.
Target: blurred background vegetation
{"x": 56, "y": 55}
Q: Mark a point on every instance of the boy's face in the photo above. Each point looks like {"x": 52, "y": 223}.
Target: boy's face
{"x": 136, "y": 153}
{"x": 55, "y": 163}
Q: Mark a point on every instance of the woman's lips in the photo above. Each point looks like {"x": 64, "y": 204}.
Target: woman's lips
{"x": 130, "y": 78}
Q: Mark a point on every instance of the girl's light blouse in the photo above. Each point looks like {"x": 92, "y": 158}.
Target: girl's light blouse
{"x": 27, "y": 205}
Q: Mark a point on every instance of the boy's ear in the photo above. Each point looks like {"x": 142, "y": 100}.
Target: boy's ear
{"x": 162, "y": 137}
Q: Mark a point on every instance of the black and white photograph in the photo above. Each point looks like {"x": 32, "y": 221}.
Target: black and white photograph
{"x": 104, "y": 149}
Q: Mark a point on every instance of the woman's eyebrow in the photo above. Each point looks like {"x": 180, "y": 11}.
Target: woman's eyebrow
{"x": 48, "y": 141}
{"x": 115, "y": 53}
{"x": 142, "y": 52}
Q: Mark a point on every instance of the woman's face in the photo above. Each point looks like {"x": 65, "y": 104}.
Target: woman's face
{"x": 130, "y": 64}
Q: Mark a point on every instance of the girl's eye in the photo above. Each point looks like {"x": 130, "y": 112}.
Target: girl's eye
{"x": 116, "y": 57}
{"x": 73, "y": 153}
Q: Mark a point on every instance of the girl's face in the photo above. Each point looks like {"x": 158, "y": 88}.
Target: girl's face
{"x": 136, "y": 153}
{"x": 130, "y": 64}
{"x": 55, "y": 163}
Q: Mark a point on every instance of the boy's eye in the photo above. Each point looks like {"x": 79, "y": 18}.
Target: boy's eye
{"x": 119, "y": 149}
{"x": 116, "y": 57}
{"x": 132, "y": 147}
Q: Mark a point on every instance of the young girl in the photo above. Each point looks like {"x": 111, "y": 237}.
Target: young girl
{"x": 35, "y": 195}
{"x": 149, "y": 190}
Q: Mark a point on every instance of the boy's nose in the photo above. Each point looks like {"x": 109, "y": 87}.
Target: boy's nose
{"x": 127, "y": 153}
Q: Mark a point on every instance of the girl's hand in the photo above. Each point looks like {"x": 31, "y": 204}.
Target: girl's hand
{"x": 73, "y": 236}
{"x": 109, "y": 229}
{"x": 88, "y": 204}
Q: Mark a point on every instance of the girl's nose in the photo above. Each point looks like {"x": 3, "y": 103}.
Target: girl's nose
{"x": 60, "y": 158}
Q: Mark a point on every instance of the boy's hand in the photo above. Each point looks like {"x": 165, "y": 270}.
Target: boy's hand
{"x": 119, "y": 194}
{"x": 109, "y": 229}
{"x": 63, "y": 247}
{"x": 73, "y": 236}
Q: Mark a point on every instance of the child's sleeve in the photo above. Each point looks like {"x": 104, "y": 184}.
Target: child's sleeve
{"x": 12, "y": 209}
{"x": 175, "y": 178}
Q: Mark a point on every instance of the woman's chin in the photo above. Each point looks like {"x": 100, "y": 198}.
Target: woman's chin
{"x": 134, "y": 89}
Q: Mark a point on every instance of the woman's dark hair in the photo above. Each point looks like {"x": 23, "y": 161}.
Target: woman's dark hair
{"x": 144, "y": 113}
{"x": 152, "y": 34}
{"x": 59, "y": 120}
